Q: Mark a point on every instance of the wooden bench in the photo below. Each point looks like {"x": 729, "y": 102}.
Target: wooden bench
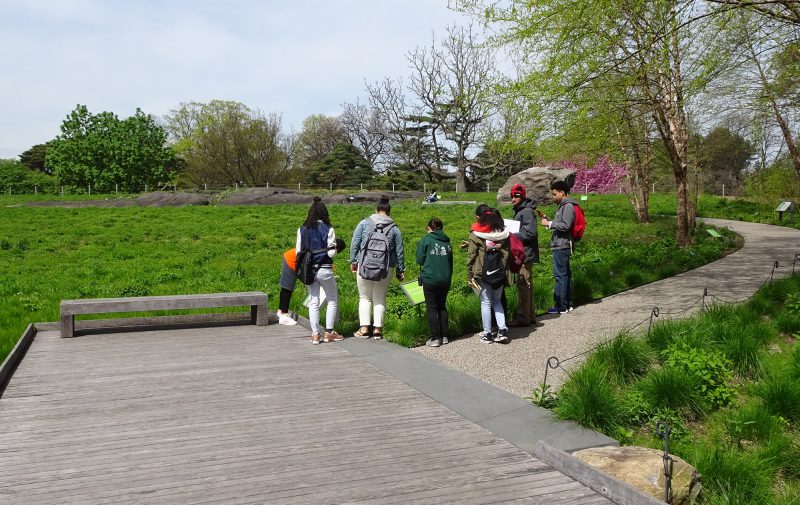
{"x": 257, "y": 301}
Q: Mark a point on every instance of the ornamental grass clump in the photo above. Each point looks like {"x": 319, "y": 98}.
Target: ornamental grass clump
{"x": 669, "y": 332}
{"x": 780, "y": 392}
{"x": 673, "y": 388}
{"x": 625, "y": 357}
{"x": 589, "y": 398}
{"x": 731, "y": 476}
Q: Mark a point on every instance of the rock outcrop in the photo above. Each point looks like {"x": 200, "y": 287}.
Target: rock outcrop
{"x": 171, "y": 199}
{"x": 643, "y": 469}
{"x": 537, "y": 181}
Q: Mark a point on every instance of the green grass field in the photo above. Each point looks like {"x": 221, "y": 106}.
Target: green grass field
{"x": 50, "y": 254}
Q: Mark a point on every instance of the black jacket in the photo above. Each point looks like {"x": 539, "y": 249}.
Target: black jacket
{"x": 528, "y": 233}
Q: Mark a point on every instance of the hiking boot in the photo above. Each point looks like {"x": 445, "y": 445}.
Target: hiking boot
{"x": 315, "y": 339}
{"x": 332, "y": 337}
{"x": 433, "y": 343}
{"x": 519, "y": 323}
{"x": 501, "y": 337}
{"x": 486, "y": 338}
{"x": 445, "y": 341}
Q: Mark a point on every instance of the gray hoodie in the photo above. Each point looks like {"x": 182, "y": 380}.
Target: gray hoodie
{"x": 561, "y": 225}
{"x": 396, "y": 255}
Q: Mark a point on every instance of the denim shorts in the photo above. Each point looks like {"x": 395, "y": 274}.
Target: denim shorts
{"x": 288, "y": 277}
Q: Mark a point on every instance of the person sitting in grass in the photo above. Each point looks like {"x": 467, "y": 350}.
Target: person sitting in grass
{"x": 288, "y": 281}
{"x": 488, "y": 252}
{"x": 435, "y": 255}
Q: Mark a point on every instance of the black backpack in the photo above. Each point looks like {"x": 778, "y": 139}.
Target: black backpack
{"x": 306, "y": 267}
{"x": 494, "y": 271}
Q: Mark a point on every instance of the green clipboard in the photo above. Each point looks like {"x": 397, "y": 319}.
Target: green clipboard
{"x": 413, "y": 292}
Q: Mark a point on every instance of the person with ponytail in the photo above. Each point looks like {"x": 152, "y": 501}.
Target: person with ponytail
{"x": 487, "y": 260}
{"x": 317, "y": 235}
{"x": 372, "y": 293}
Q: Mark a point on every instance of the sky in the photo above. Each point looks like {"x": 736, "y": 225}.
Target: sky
{"x": 291, "y": 57}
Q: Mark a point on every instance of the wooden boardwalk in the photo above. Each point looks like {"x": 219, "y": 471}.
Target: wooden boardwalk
{"x": 245, "y": 415}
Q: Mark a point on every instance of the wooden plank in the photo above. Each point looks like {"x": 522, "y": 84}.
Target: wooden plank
{"x": 15, "y": 356}
{"x": 182, "y": 416}
{"x": 171, "y": 302}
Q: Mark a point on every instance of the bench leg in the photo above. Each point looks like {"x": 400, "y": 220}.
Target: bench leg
{"x": 258, "y": 315}
{"x": 67, "y": 326}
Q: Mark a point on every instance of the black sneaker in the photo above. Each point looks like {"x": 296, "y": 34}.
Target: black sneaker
{"x": 501, "y": 337}
{"x": 486, "y": 338}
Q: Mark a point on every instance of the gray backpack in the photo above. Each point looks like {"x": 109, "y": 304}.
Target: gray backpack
{"x": 373, "y": 263}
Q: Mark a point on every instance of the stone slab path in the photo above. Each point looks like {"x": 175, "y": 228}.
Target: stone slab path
{"x": 520, "y": 365}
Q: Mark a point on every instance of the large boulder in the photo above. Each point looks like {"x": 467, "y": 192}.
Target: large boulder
{"x": 537, "y": 181}
{"x": 643, "y": 469}
{"x": 266, "y": 196}
{"x": 171, "y": 199}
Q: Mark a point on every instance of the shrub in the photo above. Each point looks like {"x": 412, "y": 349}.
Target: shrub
{"x": 625, "y": 357}
{"x": 673, "y": 388}
{"x": 589, "y": 399}
{"x": 708, "y": 367}
{"x": 633, "y": 277}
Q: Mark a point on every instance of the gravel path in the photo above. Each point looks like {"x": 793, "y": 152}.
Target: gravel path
{"x": 519, "y": 366}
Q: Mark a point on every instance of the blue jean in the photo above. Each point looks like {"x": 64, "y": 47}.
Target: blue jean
{"x": 490, "y": 301}
{"x": 562, "y": 294}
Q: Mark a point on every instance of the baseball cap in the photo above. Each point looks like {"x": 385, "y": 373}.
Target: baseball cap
{"x": 518, "y": 190}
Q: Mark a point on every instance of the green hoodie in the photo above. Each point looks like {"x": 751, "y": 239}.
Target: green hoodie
{"x": 435, "y": 255}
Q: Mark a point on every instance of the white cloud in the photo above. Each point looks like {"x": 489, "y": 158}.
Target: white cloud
{"x": 294, "y": 58}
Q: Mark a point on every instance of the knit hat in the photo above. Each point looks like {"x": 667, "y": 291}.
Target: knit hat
{"x": 518, "y": 190}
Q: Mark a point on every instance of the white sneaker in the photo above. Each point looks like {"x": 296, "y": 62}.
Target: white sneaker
{"x": 286, "y": 320}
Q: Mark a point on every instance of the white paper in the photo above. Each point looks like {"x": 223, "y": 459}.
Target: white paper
{"x": 512, "y": 225}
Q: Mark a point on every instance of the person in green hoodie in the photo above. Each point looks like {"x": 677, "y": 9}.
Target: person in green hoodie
{"x": 435, "y": 255}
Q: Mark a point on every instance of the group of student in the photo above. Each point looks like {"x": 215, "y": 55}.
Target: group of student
{"x": 376, "y": 249}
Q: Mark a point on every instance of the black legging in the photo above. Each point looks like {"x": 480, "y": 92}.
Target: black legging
{"x": 436, "y": 308}
{"x": 285, "y": 298}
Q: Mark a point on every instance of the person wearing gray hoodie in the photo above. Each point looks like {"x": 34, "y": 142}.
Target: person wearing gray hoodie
{"x": 372, "y": 294}
{"x": 561, "y": 245}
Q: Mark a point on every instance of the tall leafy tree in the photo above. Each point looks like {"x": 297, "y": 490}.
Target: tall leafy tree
{"x": 226, "y": 142}
{"x": 724, "y": 155}
{"x": 646, "y": 53}
{"x": 103, "y": 151}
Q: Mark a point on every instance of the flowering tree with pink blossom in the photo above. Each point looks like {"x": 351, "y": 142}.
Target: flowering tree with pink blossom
{"x": 602, "y": 178}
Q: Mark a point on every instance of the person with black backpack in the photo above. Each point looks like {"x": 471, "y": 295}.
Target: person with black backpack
{"x": 487, "y": 263}
{"x": 561, "y": 245}
{"x": 316, "y": 247}
{"x": 376, "y": 249}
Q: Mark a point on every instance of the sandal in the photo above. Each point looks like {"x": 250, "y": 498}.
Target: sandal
{"x": 360, "y": 333}
{"x": 377, "y": 334}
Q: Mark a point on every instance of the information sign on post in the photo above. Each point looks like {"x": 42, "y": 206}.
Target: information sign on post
{"x": 413, "y": 292}
{"x": 584, "y": 198}
{"x": 785, "y": 207}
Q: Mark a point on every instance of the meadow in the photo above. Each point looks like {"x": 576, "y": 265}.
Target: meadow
{"x": 50, "y": 254}
{"x": 728, "y": 383}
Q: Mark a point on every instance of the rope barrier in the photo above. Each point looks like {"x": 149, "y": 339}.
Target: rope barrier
{"x": 553, "y": 362}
